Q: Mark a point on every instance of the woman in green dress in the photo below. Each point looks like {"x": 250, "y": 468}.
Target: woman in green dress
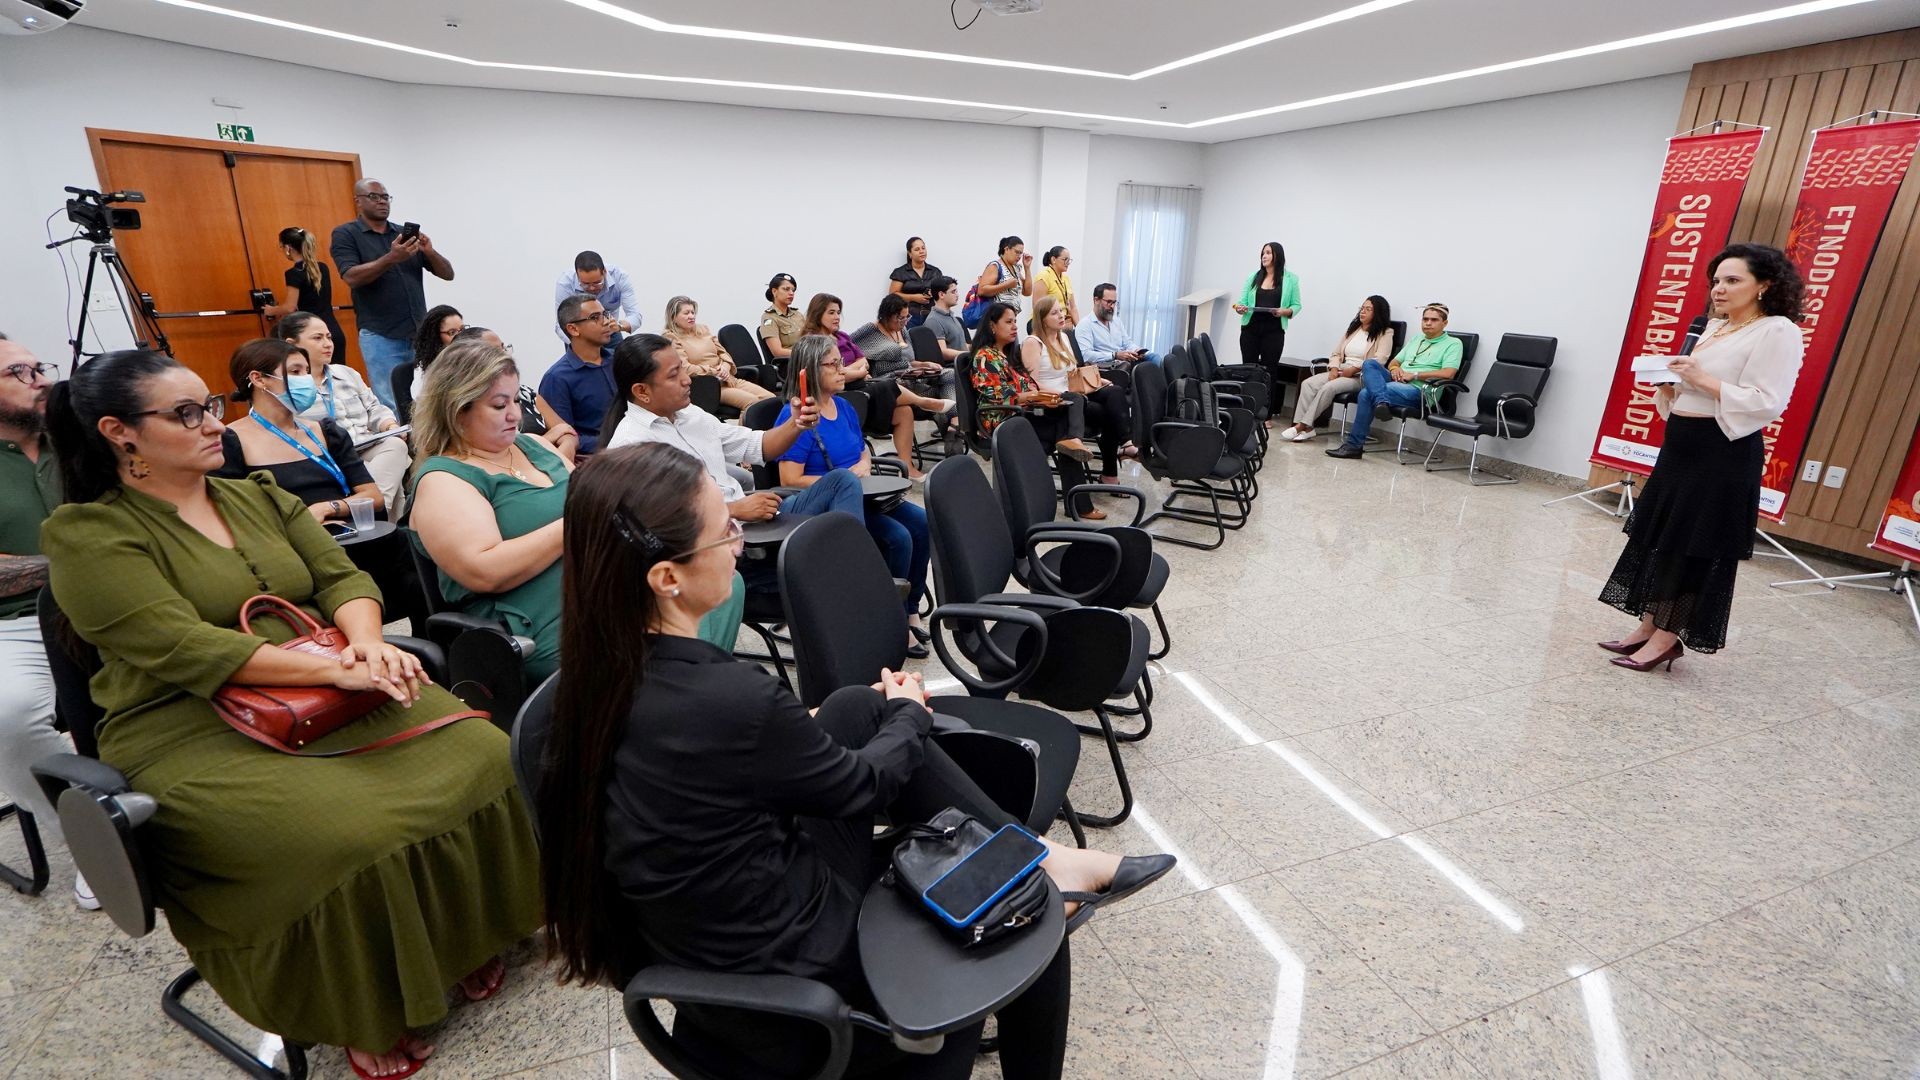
{"x": 488, "y": 500}
{"x": 329, "y": 901}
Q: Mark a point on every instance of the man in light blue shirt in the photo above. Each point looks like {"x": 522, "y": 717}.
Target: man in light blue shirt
{"x": 608, "y": 284}
{"x": 1104, "y": 339}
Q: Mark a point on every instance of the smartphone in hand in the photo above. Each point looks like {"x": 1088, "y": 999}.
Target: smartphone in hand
{"x": 409, "y": 231}
{"x": 804, "y": 399}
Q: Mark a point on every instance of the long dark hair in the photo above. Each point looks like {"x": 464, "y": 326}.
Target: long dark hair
{"x": 1382, "y": 319}
{"x": 625, "y": 509}
{"x": 426, "y": 340}
{"x": 983, "y": 333}
{"x": 1770, "y": 267}
{"x": 635, "y": 360}
{"x": 1279, "y": 264}
{"x": 111, "y": 384}
{"x": 301, "y": 241}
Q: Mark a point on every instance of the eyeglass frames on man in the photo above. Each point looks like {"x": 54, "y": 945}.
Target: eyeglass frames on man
{"x": 191, "y": 414}
{"x": 26, "y": 373}
{"x": 376, "y": 196}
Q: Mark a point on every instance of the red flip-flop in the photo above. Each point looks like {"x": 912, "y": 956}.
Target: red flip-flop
{"x": 490, "y": 990}
{"x": 412, "y": 1066}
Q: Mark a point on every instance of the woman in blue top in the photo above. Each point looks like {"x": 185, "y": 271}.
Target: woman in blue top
{"x": 838, "y": 443}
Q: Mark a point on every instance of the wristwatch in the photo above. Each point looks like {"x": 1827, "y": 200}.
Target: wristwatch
{"x": 334, "y": 505}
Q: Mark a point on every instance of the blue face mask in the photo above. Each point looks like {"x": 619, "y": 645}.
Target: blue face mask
{"x": 301, "y": 393}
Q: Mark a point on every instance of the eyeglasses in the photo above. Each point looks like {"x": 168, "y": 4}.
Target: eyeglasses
{"x": 735, "y": 536}
{"x": 598, "y": 316}
{"x": 192, "y": 414}
{"x": 376, "y": 196}
{"x": 26, "y": 373}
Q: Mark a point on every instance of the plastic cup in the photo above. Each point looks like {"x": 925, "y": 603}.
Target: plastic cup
{"x": 362, "y": 510}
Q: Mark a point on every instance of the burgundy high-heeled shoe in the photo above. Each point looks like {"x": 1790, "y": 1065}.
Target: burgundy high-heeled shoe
{"x": 1622, "y": 646}
{"x": 1674, "y": 653}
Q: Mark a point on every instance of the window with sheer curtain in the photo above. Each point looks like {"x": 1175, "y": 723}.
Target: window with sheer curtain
{"x": 1153, "y": 251}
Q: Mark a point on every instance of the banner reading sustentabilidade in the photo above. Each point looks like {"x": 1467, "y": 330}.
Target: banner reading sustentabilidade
{"x": 1845, "y": 197}
{"x": 1700, "y": 190}
{"x": 1899, "y": 531}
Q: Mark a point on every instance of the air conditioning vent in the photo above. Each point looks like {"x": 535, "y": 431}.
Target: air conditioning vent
{"x": 37, "y": 16}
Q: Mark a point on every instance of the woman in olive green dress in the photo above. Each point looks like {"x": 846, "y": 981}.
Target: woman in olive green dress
{"x": 328, "y": 901}
{"x": 488, "y": 501}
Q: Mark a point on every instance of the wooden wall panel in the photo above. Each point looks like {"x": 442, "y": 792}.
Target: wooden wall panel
{"x": 1872, "y": 398}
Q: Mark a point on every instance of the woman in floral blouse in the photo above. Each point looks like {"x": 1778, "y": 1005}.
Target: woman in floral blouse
{"x": 1005, "y": 389}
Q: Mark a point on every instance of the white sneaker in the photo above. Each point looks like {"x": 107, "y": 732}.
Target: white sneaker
{"x": 83, "y": 895}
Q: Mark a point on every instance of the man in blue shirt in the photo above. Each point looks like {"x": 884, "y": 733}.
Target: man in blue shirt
{"x": 609, "y": 285}
{"x": 1104, "y": 339}
{"x": 579, "y": 385}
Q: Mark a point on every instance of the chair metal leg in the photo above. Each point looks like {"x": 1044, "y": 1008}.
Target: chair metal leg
{"x": 1215, "y": 519}
{"x": 1119, "y": 773}
{"x": 1072, "y": 818}
{"x": 34, "y": 881}
{"x": 176, "y": 1009}
{"x": 772, "y": 654}
{"x": 1474, "y": 471}
{"x": 1143, "y": 710}
{"x": 1166, "y": 636}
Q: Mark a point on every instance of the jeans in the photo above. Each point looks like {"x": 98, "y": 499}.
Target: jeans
{"x": 381, "y": 356}
{"x": 1377, "y": 387}
{"x": 837, "y": 490}
{"x": 902, "y": 535}
{"x": 26, "y": 720}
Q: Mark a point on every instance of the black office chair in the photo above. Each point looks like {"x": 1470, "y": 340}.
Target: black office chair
{"x": 1190, "y": 395}
{"x": 1193, "y": 457}
{"x": 926, "y": 350}
{"x": 1065, "y": 655}
{"x": 100, "y": 814}
{"x": 486, "y": 663}
{"x": 1508, "y": 402}
{"x": 1449, "y": 393}
{"x": 750, "y": 362}
{"x": 1250, "y": 386}
{"x": 847, "y": 625}
{"x": 705, "y": 392}
{"x": 1132, "y": 575}
{"x": 400, "y": 384}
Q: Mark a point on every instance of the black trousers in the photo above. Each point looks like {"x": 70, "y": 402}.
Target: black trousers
{"x": 1069, "y": 421}
{"x": 1033, "y": 1026}
{"x": 883, "y": 395}
{"x": 1110, "y": 415}
{"x": 1263, "y": 341}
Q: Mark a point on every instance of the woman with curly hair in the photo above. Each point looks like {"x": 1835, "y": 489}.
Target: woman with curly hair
{"x": 1695, "y": 522}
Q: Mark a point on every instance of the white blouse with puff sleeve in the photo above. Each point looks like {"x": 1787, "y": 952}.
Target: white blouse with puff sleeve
{"x": 1756, "y": 366}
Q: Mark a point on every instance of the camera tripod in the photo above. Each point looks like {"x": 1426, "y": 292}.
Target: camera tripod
{"x": 137, "y": 306}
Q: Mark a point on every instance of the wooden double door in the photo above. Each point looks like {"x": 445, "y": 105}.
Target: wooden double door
{"x": 209, "y": 235}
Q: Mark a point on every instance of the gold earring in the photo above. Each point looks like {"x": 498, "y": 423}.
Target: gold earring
{"x": 137, "y": 467}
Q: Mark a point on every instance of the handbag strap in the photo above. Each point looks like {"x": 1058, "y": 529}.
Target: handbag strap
{"x": 377, "y": 744}
{"x": 281, "y": 609}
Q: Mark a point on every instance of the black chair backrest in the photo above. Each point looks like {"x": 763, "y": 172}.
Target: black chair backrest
{"x": 427, "y": 572}
{"x": 762, "y": 415}
{"x": 1399, "y": 327}
{"x": 705, "y": 393}
{"x": 1178, "y": 364}
{"x": 400, "y": 384}
{"x": 531, "y": 422}
{"x": 527, "y": 748}
{"x": 1073, "y": 340}
{"x": 926, "y": 345}
{"x": 858, "y": 401}
{"x": 842, "y": 606}
{"x": 1149, "y": 402}
{"x": 72, "y": 663}
{"x": 1200, "y": 354}
{"x": 967, "y": 405}
{"x": 969, "y": 561}
{"x": 1469, "y": 346}
{"x": 1021, "y": 478}
{"x": 739, "y": 343}
{"x": 1520, "y": 366}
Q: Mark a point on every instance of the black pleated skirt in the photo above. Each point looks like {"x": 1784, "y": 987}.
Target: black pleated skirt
{"x": 1689, "y": 532}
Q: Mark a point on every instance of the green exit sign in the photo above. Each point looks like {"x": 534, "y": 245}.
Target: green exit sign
{"x": 235, "y": 132}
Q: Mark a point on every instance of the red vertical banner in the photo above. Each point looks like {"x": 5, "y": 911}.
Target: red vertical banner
{"x": 1700, "y": 189}
{"x": 1899, "y": 531}
{"x": 1846, "y": 194}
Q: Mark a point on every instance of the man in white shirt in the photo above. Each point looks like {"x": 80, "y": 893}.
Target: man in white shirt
{"x": 661, "y": 410}
{"x": 1104, "y": 339}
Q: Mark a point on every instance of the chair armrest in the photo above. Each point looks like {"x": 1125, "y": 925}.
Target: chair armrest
{"x": 1139, "y": 498}
{"x": 889, "y": 466}
{"x": 779, "y": 995}
{"x": 1500, "y": 410}
{"x": 1043, "y": 534}
{"x": 989, "y": 613}
{"x": 1031, "y": 601}
{"x": 443, "y": 627}
{"x": 58, "y": 772}
{"x": 431, "y": 656}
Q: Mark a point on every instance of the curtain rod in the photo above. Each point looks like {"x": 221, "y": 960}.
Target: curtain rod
{"x": 1143, "y": 183}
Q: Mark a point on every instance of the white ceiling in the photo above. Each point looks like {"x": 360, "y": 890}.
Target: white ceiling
{"x": 1391, "y": 41}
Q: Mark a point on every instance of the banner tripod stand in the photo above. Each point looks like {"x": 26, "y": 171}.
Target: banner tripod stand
{"x": 1623, "y": 506}
{"x": 1899, "y": 582}
{"x": 1780, "y": 552}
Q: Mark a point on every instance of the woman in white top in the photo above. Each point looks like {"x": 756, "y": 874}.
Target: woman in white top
{"x": 1049, "y": 357}
{"x": 1368, "y": 337}
{"x": 1695, "y": 522}
{"x": 346, "y": 399}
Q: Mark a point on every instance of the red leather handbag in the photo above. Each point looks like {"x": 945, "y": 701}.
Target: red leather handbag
{"x": 287, "y": 718}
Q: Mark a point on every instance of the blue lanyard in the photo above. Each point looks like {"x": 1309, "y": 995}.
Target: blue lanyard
{"x": 324, "y": 458}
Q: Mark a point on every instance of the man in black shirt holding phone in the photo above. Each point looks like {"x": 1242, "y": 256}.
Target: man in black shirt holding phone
{"x": 382, "y": 265}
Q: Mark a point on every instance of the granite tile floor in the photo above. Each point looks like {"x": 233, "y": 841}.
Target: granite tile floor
{"x": 1425, "y": 831}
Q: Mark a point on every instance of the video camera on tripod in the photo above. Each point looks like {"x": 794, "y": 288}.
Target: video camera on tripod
{"x": 93, "y": 212}
{"x": 97, "y": 217}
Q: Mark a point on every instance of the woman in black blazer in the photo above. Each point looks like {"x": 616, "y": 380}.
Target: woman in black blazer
{"x": 697, "y": 815}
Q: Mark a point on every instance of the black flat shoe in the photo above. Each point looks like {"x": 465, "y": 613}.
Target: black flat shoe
{"x": 1136, "y": 872}
{"x": 1344, "y": 451}
{"x": 920, "y": 633}
{"x": 917, "y": 651}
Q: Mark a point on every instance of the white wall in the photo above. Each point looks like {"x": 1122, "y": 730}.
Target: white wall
{"x": 1524, "y": 216}
{"x": 1118, "y": 159}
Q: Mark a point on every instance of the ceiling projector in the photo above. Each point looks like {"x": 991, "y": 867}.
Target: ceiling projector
{"x": 1011, "y": 7}
{"x": 37, "y": 16}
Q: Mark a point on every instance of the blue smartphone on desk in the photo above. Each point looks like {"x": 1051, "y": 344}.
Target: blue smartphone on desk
{"x": 961, "y": 895}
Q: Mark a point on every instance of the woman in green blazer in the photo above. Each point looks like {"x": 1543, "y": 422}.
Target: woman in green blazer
{"x": 1269, "y": 301}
